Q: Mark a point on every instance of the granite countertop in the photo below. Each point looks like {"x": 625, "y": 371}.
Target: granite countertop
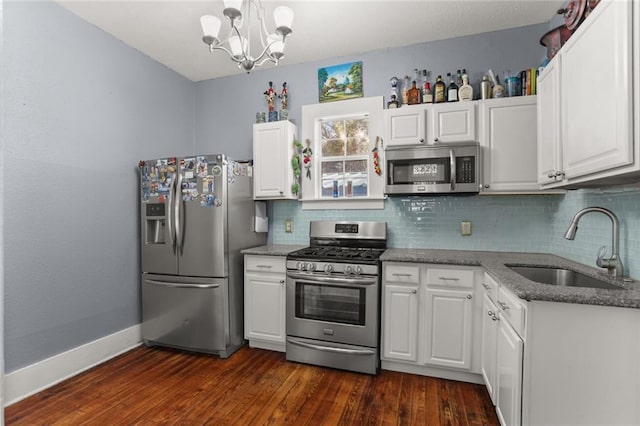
{"x": 495, "y": 264}
{"x": 273, "y": 249}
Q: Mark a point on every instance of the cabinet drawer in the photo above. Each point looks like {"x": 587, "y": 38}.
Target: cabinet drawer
{"x": 490, "y": 286}
{"x": 402, "y": 273}
{"x": 265, "y": 264}
{"x": 450, "y": 277}
{"x": 511, "y": 309}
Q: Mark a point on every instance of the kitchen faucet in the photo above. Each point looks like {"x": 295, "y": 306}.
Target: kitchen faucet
{"x": 613, "y": 264}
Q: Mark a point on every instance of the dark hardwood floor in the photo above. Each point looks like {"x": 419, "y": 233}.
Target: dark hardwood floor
{"x": 162, "y": 386}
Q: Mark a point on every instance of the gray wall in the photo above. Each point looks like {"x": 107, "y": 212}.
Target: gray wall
{"x": 226, "y": 107}
{"x": 80, "y": 110}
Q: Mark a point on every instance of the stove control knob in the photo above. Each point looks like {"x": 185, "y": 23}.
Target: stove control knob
{"x": 311, "y": 266}
{"x": 347, "y": 270}
{"x": 300, "y": 266}
{"x": 358, "y": 270}
{"x": 328, "y": 269}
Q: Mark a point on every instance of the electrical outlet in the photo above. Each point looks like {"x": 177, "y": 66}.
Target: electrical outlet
{"x": 288, "y": 226}
{"x": 465, "y": 228}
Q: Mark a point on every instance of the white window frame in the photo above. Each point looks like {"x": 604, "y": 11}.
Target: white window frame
{"x": 311, "y": 188}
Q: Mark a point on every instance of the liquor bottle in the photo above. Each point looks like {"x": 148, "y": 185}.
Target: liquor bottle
{"x": 439, "y": 90}
{"x": 485, "y": 88}
{"x": 413, "y": 95}
{"x": 452, "y": 90}
{"x": 416, "y": 81}
{"x": 458, "y": 78}
{"x": 427, "y": 96}
{"x": 465, "y": 92}
{"x": 405, "y": 91}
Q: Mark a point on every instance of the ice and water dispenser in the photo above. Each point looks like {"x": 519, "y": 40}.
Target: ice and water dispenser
{"x": 155, "y": 223}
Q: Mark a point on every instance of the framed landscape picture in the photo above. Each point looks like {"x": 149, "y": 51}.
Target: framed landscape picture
{"x": 340, "y": 82}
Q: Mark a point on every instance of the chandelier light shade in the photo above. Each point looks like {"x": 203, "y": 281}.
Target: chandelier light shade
{"x": 237, "y": 43}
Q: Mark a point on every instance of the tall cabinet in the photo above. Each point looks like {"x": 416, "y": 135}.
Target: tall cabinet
{"x": 273, "y": 149}
{"x": 589, "y": 102}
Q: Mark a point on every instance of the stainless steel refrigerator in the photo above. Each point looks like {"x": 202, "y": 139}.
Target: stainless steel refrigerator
{"x": 197, "y": 213}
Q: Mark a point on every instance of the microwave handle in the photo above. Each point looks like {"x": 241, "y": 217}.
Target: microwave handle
{"x": 390, "y": 167}
{"x": 452, "y": 158}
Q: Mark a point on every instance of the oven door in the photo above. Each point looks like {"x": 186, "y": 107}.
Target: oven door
{"x": 333, "y": 309}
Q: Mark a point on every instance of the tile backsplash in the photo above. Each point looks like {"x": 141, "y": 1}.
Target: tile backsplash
{"x": 516, "y": 223}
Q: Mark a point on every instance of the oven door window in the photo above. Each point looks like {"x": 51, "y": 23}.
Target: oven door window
{"x": 323, "y": 302}
{"x": 431, "y": 170}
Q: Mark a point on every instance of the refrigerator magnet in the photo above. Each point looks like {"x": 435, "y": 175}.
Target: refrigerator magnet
{"x": 216, "y": 170}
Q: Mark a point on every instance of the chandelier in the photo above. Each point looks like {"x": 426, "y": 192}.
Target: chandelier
{"x": 237, "y": 43}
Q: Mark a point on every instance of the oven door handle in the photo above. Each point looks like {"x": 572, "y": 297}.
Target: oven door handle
{"x": 330, "y": 348}
{"x": 332, "y": 280}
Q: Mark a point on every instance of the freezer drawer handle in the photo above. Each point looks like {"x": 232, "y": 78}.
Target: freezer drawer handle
{"x": 331, "y": 349}
{"x": 181, "y": 285}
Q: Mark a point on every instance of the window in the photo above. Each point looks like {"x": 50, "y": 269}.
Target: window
{"x": 342, "y": 136}
{"x": 344, "y": 157}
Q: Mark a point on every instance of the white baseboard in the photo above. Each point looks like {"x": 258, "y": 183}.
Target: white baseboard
{"x": 36, "y": 377}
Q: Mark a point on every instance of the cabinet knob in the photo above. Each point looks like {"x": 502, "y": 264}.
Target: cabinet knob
{"x": 436, "y": 140}
{"x": 486, "y": 286}
{"x": 490, "y": 313}
{"x": 414, "y": 291}
{"x": 421, "y": 140}
{"x": 469, "y": 296}
{"x": 503, "y": 305}
{"x": 551, "y": 175}
{"x": 281, "y": 281}
{"x": 487, "y": 186}
{"x": 559, "y": 174}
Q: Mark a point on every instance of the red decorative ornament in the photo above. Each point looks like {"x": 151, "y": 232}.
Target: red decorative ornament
{"x": 376, "y": 156}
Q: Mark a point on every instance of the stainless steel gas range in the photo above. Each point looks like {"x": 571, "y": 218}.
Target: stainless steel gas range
{"x": 333, "y": 296}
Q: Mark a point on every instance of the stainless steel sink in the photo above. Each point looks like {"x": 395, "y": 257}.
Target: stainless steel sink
{"x": 561, "y": 277}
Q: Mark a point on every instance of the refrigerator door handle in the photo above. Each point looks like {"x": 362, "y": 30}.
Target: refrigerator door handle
{"x": 179, "y": 211}
{"x": 181, "y": 285}
{"x": 177, "y": 221}
{"x": 170, "y": 201}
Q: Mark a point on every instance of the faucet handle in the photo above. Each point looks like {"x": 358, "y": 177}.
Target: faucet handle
{"x": 602, "y": 252}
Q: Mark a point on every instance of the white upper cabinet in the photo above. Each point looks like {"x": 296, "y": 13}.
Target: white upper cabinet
{"x": 509, "y": 145}
{"x": 272, "y": 152}
{"x": 549, "y": 148}
{"x": 430, "y": 124}
{"x": 405, "y": 126}
{"x": 454, "y": 122}
{"x": 598, "y": 101}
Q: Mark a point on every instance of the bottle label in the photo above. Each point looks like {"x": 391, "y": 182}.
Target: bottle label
{"x": 452, "y": 95}
{"x": 427, "y": 98}
{"x": 439, "y": 94}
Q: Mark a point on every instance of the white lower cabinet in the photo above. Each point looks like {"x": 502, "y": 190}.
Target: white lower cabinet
{"x": 429, "y": 321}
{"x": 488, "y": 363}
{"x": 509, "y": 375}
{"x": 401, "y": 304}
{"x": 447, "y": 318}
{"x": 264, "y": 301}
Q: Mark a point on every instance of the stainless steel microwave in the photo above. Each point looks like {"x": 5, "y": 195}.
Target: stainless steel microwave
{"x": 433, "y": 169}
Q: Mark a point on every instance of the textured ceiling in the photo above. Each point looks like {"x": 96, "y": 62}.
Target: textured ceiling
{"x": 169, "y": 31}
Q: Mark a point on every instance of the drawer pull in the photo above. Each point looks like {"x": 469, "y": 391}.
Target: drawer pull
{"x": 503, "y": 305}
{"x": 264, "y": 266}
{"x": 448, "y": 279}
{"x": 395, "y": 274}
{"x": 486, "y": 287}
{"x": 469, "y": 296}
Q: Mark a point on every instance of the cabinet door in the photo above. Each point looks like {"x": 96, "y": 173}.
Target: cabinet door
{"x": 272, "y": 150}
{"x": 509, "y": 375}
{"x": 400, "y": 318}
{"x": 405, "y": 126}
{"x": 489, "y": 337}
{"x": 596, "y": 97}
{"x": 455, "y": 122}
{"x": 447, "y": 328}
{"x": 549, "y": 147}
{"x": 265, "y": 307}
{"x": 509, "y": 141}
